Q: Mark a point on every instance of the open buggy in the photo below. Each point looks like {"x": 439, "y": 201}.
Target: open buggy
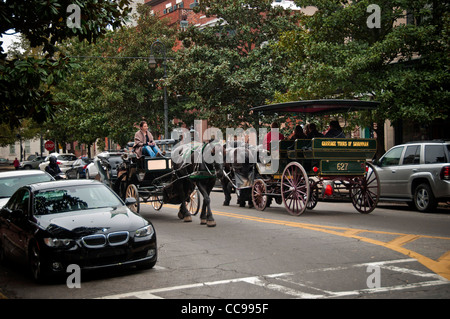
{"x": 149, "y": 180}
{"x": 310, "y": 169}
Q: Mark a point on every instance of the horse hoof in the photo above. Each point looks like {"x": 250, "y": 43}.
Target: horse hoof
{"x": 180, "y": 215}
{"x": 203, "y": 222}
{"x": 187, "y": 219}
{"x": 211, "y": 223}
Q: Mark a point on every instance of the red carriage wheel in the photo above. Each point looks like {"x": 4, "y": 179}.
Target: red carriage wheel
{"x": 295, "y": 188}
{"x": 313, "y": 194}
{"x": 365, "y": 190}
{"x": 259, "y": 197}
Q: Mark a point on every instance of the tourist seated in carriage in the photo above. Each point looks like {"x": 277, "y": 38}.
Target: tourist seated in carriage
{"x": 144, "y": 145}
{"x": 335, "y": 130}
{"x": 297, "y": 134}
{"x": 311, "y": 131}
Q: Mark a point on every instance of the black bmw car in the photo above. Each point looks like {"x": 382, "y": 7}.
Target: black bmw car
{"x": 55, "y": 224}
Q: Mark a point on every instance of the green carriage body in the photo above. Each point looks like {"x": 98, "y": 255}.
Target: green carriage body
{"x": 306, "y": 167}
{"x": 325, "y": 156}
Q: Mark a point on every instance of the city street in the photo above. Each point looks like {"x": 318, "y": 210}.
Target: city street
{"x": 333, "y": 114}
{"x": 327, "y": 253}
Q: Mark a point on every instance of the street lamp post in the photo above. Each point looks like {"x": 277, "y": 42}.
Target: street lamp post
{"x": 152, "y": 63}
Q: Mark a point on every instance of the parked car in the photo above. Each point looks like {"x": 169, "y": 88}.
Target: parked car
{"x": 54, "y": 224}
{"x": 417, "y": 173}
{"x": 78, "y": 169}
{"x": 5, "y": 161}
{"x": 32, "y": 163}
{"x": 13, "y": 180}
{"x": 64, "y": 161}
{"x": 113, "y": 158}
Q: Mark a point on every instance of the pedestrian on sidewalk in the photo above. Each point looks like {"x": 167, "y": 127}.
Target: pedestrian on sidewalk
{"x": 16, "y": 163}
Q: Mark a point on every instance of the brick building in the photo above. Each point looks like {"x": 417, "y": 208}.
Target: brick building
{"x": 179, "y": 12}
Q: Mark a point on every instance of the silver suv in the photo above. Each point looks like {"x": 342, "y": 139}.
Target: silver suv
{"x": 417, "y": 173}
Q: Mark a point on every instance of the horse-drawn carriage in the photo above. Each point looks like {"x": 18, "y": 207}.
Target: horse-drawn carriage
{"x": 151, "y": 180}
{"x": 312, "y": 168}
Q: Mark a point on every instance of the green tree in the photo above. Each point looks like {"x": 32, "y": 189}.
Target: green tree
{"x": 25, "y": 81}
{"x": 114, "y": 87}
{"x": 132, "y": 89}
{"x": 81, "y": 114}
{"x": 336, "y": 54}
{"x": 228, "y": 67}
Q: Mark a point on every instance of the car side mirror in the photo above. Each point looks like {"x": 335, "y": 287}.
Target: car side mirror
{"x": 130, "y": 201}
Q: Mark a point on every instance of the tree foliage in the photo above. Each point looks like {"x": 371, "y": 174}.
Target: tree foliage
{"x": 114, "y": 87}
{"x": 335, "y": 54}
{"x": 228, "y": 67}
{"x": 25, "y": 81}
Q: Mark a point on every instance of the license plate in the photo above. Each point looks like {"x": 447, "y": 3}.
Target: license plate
{"x": 342, "y": 167}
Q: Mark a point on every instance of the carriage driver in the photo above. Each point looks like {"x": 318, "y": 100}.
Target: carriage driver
{"x": 144, "y": 143}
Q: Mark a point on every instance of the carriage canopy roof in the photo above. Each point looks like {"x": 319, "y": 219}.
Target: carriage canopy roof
{"x": 318, "y": 106}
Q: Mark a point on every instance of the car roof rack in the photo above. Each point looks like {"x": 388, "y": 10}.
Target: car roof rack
{"x": 427, "y": 141}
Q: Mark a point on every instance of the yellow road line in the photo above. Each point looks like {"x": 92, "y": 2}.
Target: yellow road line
{"x": 441, "y": 266}
{"x": 402, "y": 240}
{"x": 445, "y": 257}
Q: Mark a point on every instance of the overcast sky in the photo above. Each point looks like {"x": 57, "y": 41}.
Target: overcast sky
{"x": 8, "y": 40}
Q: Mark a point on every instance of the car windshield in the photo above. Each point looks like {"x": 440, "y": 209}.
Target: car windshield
{"x": 72, "y": 198}
{"x": 9, "y": 185}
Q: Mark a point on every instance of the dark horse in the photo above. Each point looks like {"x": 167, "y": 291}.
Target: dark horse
{"x": 191, "y": 170}
{"x": 238, "y": 172}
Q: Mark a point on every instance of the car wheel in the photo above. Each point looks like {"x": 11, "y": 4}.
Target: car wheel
{"x": 424, "y": 198}
{"x": 35, "y": 262}
{"x": 27, "y": 167}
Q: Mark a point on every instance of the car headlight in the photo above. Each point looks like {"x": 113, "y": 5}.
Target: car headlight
{"x": 57, "y": 243}
{"x": 144, "y": 232}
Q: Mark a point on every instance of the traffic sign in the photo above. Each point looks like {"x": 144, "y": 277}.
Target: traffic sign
{"x": 49, "y": 145}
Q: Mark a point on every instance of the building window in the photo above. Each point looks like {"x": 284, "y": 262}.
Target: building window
{"x": 194, "y": 4}
{"x": 27, "y": 147}
{"x": 178, "y": 5}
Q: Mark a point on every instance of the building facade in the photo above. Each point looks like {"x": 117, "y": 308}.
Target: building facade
{"x": 179, "y": 12}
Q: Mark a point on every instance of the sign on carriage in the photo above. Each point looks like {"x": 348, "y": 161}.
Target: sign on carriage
{"x": 345, "y": 143}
